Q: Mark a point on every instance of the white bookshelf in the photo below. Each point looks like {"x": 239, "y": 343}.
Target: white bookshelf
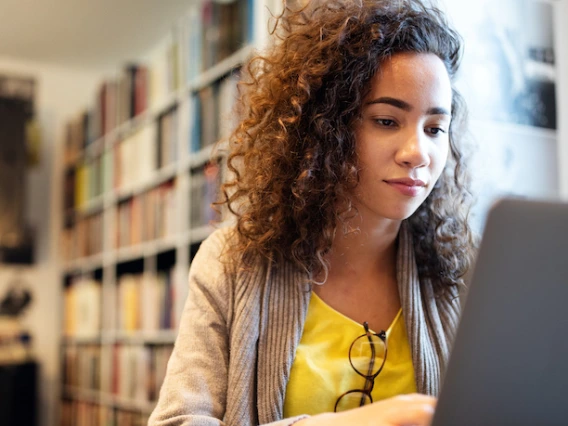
{"x": 174, "y": 249}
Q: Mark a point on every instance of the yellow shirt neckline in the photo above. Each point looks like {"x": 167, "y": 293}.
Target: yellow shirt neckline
{"x": 321, "y": 371}
{"x": 319, "y": 301}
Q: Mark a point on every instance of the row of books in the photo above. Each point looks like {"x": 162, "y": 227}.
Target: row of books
{"x": 204, "y": 190}
{"x": 136, "y": 375}
{"x": 226, "y": 26}
{"x": 210, "y": 32}
{"x": 84, "y": 237}
{"x": 148, "y": 216}
{"x": 150, "y": 302}
{"x": 85, "y": 181}
{"x": 82, "y": 366}
{"x": 92, "y": 178}
{"x": 214, "y": 114}
{"x": 82, "y": 307}
{"x": 130, "y": 162}
{"x": 165, "y": 62}
{"x": 168, "y": 137}
{"x": 139, "y": 371}
{"x": 116, "y": 101}
{"x": 80, "y": 413}
{"x": 135, "y": 157}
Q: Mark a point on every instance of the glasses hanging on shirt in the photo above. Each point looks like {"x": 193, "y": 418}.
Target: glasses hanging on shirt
{"x": 367, "y": 356}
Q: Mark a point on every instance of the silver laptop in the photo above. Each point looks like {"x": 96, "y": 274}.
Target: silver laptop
{"x": 509, "y": 363}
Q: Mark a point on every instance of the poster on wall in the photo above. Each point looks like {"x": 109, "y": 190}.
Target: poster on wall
{"x": 508, "y": 69}
{"x": 16, "y": 110}
{"x": 508, "y": 79}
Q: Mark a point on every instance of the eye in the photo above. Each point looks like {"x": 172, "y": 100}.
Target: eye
{"x": 385, "y": 122}
{"x": 435, "y": 131}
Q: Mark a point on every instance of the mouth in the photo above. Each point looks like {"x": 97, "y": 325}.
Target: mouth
{"x": 407, "y": 186}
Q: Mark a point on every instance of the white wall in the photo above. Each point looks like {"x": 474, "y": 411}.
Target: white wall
{"x": 60, "y": 94}
{"x": 561, "y": 36}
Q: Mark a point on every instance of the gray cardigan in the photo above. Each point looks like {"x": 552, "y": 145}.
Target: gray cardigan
{"x": 240, "y": 329}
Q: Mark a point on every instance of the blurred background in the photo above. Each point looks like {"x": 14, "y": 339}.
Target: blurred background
{"x": 108, "y": 114}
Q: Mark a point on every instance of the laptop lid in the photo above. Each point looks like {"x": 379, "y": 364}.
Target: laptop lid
{"x": 509, "y": 363}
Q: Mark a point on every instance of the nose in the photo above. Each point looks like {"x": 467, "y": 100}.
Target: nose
{"x": 412, "y": 151}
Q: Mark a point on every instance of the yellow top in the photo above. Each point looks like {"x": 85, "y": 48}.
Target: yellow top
{"x": 321, "y": 371}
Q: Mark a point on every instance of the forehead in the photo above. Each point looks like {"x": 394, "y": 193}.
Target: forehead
{"x": 413, "y": 77}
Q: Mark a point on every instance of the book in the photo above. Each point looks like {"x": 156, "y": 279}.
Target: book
{"x": 204, "y": 190}
{"x": 208, "y": 115}
{"x": 82, "y": 303}
{"x": 167, "y": 137}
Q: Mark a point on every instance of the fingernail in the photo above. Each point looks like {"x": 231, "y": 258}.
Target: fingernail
{"x": 404, "y": 397}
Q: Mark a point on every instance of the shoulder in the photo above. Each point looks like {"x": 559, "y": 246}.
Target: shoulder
{"x": 218, "y": 241}
{"x": 210, "y": 270}
{"x": 213, "y": 250}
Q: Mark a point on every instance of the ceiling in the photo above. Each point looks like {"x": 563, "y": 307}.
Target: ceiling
{"x": 89, "y": 34}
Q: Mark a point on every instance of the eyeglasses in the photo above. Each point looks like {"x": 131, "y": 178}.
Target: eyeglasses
{"x": 367, "y": 356}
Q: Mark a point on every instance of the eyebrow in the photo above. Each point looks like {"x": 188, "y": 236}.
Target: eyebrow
{"x": 399, "y": 103}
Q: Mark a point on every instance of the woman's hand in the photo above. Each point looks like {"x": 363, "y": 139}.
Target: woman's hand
{"x": 402, "y": 410}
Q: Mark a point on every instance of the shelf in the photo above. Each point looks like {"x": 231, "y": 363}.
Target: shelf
{"x": 158, "y": 177}
{"x": 124, "y": 254}
{"x": 196, "y": 235}
{"x": 128, "y": 404}
{"x": 168, "y": 103}
{"x": 134, "y": 124}
{"x": 94, "y": 148}
{"x": 219, "y": 70}
{"x": 199, "y": 158}
{"x": 104, "y": 398}
{"x": 81, "y": 340}
{"x": 142, "y": 337}
{"x": 126, "y": 337}
{"x": 80, "y": 394}
{"x": 146, "y": 249}
{"x": 92, "y": 206}
{"x": 89, "y": 263}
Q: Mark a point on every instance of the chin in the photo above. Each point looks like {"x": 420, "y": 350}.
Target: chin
{"x": 402, "y": 214}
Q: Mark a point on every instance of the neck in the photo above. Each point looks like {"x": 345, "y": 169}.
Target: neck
{"x": 368, "y": 252}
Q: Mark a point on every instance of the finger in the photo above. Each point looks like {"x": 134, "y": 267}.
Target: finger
{"x": 412, "y": 410}
{"x": 417, "y": 397}
{"x": 416, "y": 414}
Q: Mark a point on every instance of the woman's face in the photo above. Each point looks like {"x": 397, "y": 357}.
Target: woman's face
{"x": 402, "y": 138}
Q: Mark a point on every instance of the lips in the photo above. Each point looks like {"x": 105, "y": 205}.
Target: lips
{"x": 407, "y": 186}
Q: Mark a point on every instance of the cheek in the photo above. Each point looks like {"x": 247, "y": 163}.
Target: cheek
{"x": 439, "y": 160}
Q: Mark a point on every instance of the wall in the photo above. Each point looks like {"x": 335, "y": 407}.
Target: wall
{"x": 60, "y": 93}
{"x": 561, "y": 36}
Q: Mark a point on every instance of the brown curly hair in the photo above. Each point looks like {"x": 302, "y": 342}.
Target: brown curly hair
{"x": 293, "y": 154}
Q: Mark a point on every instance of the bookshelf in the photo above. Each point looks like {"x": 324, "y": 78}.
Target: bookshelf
{"x": 138, "y": 181}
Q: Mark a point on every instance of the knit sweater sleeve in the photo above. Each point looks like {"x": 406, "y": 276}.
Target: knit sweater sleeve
{"x": 195, "y": 391}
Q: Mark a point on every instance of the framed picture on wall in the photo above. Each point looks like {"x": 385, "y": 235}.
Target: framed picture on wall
{"x": 508, "y": 69}
{"x": 16, "y": 109}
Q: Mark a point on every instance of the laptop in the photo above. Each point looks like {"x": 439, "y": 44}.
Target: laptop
{"x": 509, "y": 363}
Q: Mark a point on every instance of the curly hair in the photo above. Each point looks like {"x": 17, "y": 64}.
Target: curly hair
{"x": 293, "y": 154}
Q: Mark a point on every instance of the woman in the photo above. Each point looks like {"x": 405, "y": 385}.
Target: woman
{"x": 334, "y": 299}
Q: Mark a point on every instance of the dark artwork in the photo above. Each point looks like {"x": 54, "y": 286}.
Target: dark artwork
{"x": 16, "y": 108}
{"x": 509, "y": 71}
